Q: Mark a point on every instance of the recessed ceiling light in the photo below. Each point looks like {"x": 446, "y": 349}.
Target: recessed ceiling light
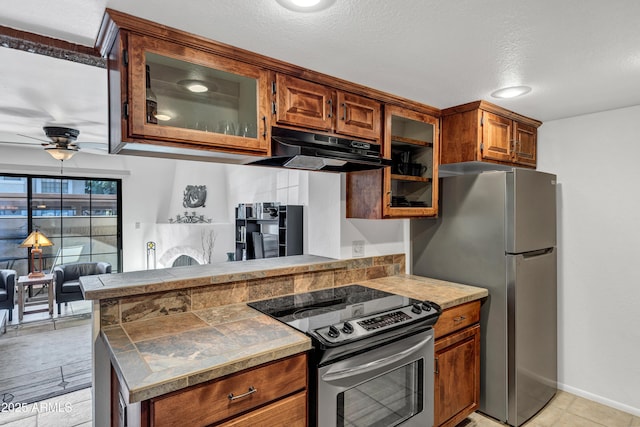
{"x": 197, "y": 86}
{"x": 306, "y": 5}
{"x": 163, "y": 117}
{"x": 511, "y": 92}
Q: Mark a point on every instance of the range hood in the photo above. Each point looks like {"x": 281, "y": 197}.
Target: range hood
{"x": 312, "y": 151}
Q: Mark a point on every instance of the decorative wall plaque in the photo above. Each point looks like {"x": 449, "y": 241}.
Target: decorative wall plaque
{"x": 194, "y": 196}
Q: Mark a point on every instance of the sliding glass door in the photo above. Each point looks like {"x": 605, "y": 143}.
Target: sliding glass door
{"x": 14, "y": 222}
{"x": 79, "y": 215}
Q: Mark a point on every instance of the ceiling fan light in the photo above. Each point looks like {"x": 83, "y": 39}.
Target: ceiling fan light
{"x": 511, "y": 92}
{"x": 61, "y": 154}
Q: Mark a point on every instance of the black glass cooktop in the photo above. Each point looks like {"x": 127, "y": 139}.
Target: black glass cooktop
{"x": 309, "y": 311}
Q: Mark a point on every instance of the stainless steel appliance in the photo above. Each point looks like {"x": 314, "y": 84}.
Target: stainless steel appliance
{"x": 373, "y": 354}
{"x": 497, "y": 230}
{"x": 316, "y": 151}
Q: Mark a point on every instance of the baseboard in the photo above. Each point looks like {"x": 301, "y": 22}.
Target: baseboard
{"x": 600, "y": 399}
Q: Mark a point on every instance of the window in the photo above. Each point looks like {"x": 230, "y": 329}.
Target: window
{"x": 81, "y": 217}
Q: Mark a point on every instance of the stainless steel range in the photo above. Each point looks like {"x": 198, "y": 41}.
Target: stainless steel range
{"x": 372, "y": 363}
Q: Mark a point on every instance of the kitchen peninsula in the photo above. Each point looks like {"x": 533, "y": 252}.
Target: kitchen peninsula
{"x": 157, "y": 333}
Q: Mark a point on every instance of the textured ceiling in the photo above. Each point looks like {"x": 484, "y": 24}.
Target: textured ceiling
{"x": 579, "y": 56}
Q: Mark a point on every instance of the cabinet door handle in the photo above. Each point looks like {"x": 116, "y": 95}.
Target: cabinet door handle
{"x": 330, "y": 102}
{"x": 344, "y": 111}
{"x": 264, "y": 127}
{"x": 252, "y": 390}
{"x": 458, "y": 319}
{"x": 437, "y": 368}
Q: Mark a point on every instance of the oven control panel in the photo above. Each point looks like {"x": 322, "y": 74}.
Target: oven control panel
{"x": 363, "y": 326}
{"x": 384, "y": 320}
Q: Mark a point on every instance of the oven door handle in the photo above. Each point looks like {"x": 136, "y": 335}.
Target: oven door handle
{"x": 339, "y": 374}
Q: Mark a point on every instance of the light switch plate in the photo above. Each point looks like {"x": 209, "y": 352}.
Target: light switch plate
{"x": 357, "y": 248}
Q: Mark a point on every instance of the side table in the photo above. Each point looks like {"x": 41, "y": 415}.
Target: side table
{"x": 26, "y": 282}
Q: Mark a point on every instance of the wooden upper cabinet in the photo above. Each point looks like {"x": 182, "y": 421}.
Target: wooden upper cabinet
{"x": 241, "y": 96}
{"x": 481, "y": 131}
{"x": 409, "y": 188}
{"x": 224, "y": 111}
{"x": 309, "y": 105}
{"x": 357, "y": 116}
{"x": 526, "y": 144}
{"x": 303, "y": 103}
{"x": 497, "y": 137}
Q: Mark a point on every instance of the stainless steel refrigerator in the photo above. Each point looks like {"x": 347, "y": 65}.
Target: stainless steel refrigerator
{"x": 497, "y": 230}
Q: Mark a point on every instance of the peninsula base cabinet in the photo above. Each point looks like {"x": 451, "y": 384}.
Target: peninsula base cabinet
{"x": 457, "y": 364}
{"x": 273, "y": 394}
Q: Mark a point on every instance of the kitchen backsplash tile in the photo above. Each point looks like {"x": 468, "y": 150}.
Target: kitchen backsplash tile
{"x": 344, "y": 277}
{"x": 109, "y": 312}
{"x": 148, "y": 306}
{"x": 219, "y": 295}
{"x": 312, "y": 281}
{"x": 297, "y": 279}
{"x": 269, "y": 288}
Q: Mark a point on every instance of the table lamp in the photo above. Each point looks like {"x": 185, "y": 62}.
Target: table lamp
{"x": 34, "y": 241}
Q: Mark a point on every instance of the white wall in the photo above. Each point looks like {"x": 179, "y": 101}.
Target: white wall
{"x": 596, "y": 160}
{"x": 152, "y": 191}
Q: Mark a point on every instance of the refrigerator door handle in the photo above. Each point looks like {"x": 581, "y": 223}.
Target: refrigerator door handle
{"x": 539, "y": 252}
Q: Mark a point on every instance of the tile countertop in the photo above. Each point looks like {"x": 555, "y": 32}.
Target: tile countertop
{"x": 160, "y": 355}
{"x": 141, "y": 282}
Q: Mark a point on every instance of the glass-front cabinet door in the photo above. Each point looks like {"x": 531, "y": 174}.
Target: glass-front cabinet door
{"x": 411, "y": 183}
{"x": 184, "y": 95}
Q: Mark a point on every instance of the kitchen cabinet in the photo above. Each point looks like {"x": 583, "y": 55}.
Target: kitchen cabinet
{"x": 200, "y": 100}
{"x": 266, "y": 394}
{"x": 281, "y": 231}
{"x": 309, "y": 105}
{"x": 481, "y": 131}
{"x": 457, "y": 364}
{"x": 409, "y": 188}
{"x": 235, "y": 96}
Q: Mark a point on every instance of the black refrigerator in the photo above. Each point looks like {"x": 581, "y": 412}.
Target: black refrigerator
{"x": 497, "y": 230}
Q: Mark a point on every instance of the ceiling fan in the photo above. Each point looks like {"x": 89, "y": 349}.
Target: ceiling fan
{"x": 62, "y": 144}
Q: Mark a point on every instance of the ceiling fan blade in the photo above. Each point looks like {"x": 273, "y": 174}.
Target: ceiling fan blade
{"x": 25, "y": 112}
{"x": 37, "y": 139}
{"x": 22, "y": 144}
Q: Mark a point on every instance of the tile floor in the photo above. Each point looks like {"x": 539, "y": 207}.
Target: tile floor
{"x": 565, "y": 410}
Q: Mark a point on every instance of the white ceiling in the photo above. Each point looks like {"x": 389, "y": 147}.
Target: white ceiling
{"x": 579, "y": 56}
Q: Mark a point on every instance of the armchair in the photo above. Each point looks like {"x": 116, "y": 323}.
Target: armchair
{"x": 67, "y": 283}
{"x": 7, "y": 290}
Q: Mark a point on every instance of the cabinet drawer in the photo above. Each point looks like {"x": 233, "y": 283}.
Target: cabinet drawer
{"x": 288, "y": 412}
{"x": 206, "y": 404}
{"x": 458, "y": 317}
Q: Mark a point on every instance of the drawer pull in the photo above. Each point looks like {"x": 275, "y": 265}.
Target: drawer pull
{"x": 240, "y": 396}
{"x": 458, "y": 319}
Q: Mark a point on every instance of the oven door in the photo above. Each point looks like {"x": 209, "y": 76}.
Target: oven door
{"x": 388, "y": 385}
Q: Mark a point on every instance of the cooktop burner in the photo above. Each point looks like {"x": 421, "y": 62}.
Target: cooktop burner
{"x": 335, "y": 316}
